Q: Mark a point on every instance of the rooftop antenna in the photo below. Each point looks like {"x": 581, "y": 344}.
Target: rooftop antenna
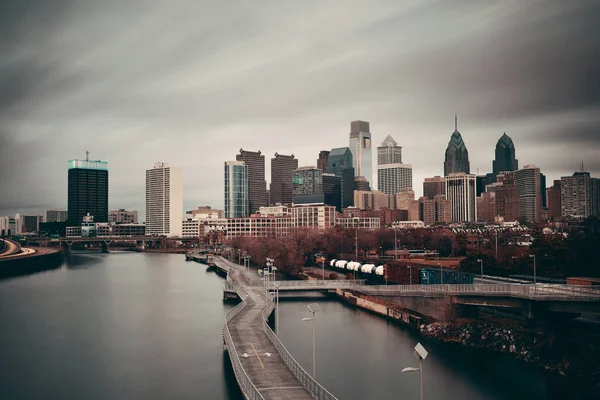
{"x": 455, "y": 122}
{"x": 87, "y": 155}
{"x": 582, "y": 166}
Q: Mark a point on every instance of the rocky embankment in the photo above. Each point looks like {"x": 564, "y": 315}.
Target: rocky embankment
{"x": 574, "y": 358}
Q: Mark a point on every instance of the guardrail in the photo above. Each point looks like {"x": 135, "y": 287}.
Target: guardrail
{"x": 533, "y": 291}
{"x": 313, "y": 387}
{"x": 333, "y": 284}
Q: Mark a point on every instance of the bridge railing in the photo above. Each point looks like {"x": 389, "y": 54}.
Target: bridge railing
{"x": 533, "y": 291}
{"x": 313, "y": 387}
{"x": 250, "y": 391}
{"x": 340, "y": 283}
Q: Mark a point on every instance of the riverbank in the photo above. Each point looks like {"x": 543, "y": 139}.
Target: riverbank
{"x": 43, "y": 259}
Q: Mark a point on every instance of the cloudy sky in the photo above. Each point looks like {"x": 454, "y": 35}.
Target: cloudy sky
{"x": 190, "y": 83}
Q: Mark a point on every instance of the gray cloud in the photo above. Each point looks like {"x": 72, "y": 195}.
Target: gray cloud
{"x": 191, "y": 82}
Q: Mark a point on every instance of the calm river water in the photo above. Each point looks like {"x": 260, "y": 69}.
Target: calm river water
{"x": 145, "y": 326}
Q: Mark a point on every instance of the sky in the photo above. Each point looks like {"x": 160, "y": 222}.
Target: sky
{"x": 190, "y": 83}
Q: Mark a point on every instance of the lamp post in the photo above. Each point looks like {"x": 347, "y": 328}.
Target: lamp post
{"x": 313, "y": 308}
{"x": 534, "y": 269}
{"x": 441, "y": 274}
{"x": 276, "y": 306}
{"x": 323, "y": 267}
{"x": 420, "y": 353}
{"x": 395, "y": 244}
{"x": 239, "y": 257}
{"x": 481, "y": 264}
{"x": 410, "y": 274}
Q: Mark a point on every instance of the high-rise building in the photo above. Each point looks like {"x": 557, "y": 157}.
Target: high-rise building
{"x": 433, "y": 187}
{"x": 595, "y": 194}
{"x": 56, "y": 215}
{"x": 403, "y": 198}
{"x": 282, "y": 168}
{"x": 372, "y": 200}
{"x": 435, "y": 211}
{"x": 360, "y": 146}
{"x": 460, "y": 190}
{"x": 528, "y": 181}
{"x": 553, "y": 196}
{"x": 481, "y": 181}
{"x": 257, "y": 186}
{"x": 307, "y": 181}
{"x": 164, "y": 200}
{"x": 486, "y": 207}
{"x": 236, "y": 189}
{"x": 508, "y": 199}
{"x": 88, "y": 190}
{"x": 505, "y": 156}
{"x": 392, "y": 175}
{"x": 332, "y": 191}
{"x": 322, "y": 160}
{"x": 339, "y": 163}
{"x": 361, "y": 183}
{"x": 543, "y": 190}
{"x": 457, "y": 155}
{"x": 576, "y": 195}
{"x": 122, "y": 216}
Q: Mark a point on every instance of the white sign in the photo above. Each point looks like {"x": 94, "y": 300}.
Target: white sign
{"x": 421, "y": 351}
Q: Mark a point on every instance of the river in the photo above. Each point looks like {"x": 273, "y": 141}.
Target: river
{"x": 145, "y": 326}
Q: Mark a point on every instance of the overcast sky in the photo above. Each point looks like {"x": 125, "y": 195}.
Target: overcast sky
{"x": 190, "y": 83}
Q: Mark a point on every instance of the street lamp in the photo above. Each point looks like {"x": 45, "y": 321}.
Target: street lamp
{"x": 313, "y": 308}
{"x": 441, "y": 274}
{"x": 481, "y": 263}
{"x": 420, "y": 353}
{"x": 534, "y": 269}
{"x": 276, "y": 306}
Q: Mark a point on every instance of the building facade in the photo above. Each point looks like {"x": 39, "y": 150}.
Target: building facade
{"x": 322, "y": 161}
{"x": 508, "y": 199}
{"x": 282, "y": 169}
{"x": 457, "y": 156}
{"x": 361, "y": 183}
{"x": 56, "y": 215}
{"x": 164, "y": 200}
{"x": 332, "y": 191}
{"x": 505, "y": 159}
{"x": 339, "y": 163}
{"x": 576, "y": 195}
{"x": 236, "y": 189}
{"x": 361, "y": 148}
{"x": 434, "y": 186}
{"x": 486, "y": 207}
{"x": 122, "y": 216}
{"x": 257, "y": 186}
{"x": 403, "y": 198}
{"x": 554, "y": 201}
{"x": 528, "y": 181}
{"x": 307, "y": 181}
{"x": 87, "y": 190}
{"x": 434, "y": 211}
{"x": 460, "y": 190}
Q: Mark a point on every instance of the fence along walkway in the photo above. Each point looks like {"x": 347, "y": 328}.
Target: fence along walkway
{"x": 263, "y": 367}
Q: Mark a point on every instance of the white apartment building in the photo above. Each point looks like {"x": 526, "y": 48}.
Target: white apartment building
{"x": 164, "y": 200}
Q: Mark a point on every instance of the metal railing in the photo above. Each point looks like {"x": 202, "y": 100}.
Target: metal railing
{"x": 533, "y": 291}
{"x": 249, "y": 390}
{"x": 314, "y": 388}
{"x": 327, "y": 284}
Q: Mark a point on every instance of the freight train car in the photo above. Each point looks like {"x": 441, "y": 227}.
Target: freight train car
{"x": 433, "y": 276}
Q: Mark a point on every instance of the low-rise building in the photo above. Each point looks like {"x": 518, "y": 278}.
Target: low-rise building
{"x": 128, "y": 230}
{"x": 122, "y": 216}
{"x": 367, "y": 223}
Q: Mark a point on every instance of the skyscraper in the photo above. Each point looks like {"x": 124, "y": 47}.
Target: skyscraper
{"x": 505, "y": 156}
{"x": 434, "y": 186}
{"x": 576, "y": 195}
{"x": 339, "y": 163}
{"x": 236, "y": 189}
{"x": 164, "y": 200}
{"x": 392, "y": 175}
{"x": 554, "y": 201}
{"x": 257, "y": 186}
{"x": 508, "y": 199}
{"x": 528, "y": 181}
{"x": 332, "y": 190}
{"x": 87, "y": 190}
{"x": 322, "y": 160}
{"x": 307, "y": 181}
{"x": 360, "y": 146}
{"x": 460, "y": 190}
{"x": 282, "y": 168}
{"x": 457, "y": 155}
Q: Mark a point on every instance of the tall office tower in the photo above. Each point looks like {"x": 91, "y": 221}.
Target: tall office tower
{"x": 282, "y": 168}
{"x": 460, "y": 190}
{"x": 486, "y": 207}
{"x": 236, "y": 189}
{"x": 543, "y": 190}
{"x": 508, "y": 200}
{"x": 576, "y": 195}
{"x": 88, "y": 190}
{"x": 433, "y": 187}
{"x": 164, "y": 200}
{"x": 528, "y": 181}
{"x": 553, "y": 196}
{"x": 339, "y": 163}
{"x": 56, "y": 215}
{"x": 307, "y": 180}
{"x": 361, "y": 183}
{"x": 322, "y": 160}
{"x": 505, "y": 156}
{"x": 435, "y": 211}
{"x": 332, "y": 191}
{"x": 257, "y": 186}
{"x": 392, "y": 175}
{"x": 457, "y": 155}
{"x": 360, "y": 146}
{"x": 595, "y": 194}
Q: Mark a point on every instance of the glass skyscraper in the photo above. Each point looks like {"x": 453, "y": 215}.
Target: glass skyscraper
{"x": 87, "y": 190}
{"x": 339, "y": 163}
{"x": 236, "y": 189}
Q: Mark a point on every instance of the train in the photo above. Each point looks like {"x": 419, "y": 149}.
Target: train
{"x": 403, "y": 275}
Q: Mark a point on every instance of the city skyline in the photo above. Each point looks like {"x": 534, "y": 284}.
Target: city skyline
{"x": 190, "y": 99}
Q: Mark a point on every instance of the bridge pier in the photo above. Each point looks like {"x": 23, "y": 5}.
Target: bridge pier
{"x": 66, "y": 246}
{"x": 104, "y": 246}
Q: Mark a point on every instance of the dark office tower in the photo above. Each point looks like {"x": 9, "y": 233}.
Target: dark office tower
{"x": 595, "y": 195}
{"x": 505, "y": 156}
{"x": 282, "y": 168}
{"x": 480, "y": 182}
{"x": 543, "y": 190}
{"x": 553, "y": 198}
{"x": 332, "y": 191}
{"x": 457, "y": 155}
{"x": 257, "y": 186}
{"x": 339, "y": 163}
{"x": 322, "y": 160}
{"x": 434, "y": 187}
{"x": 88, "y": 190}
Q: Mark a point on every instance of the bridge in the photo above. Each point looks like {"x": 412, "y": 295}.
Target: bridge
{"x": 105, "y": 241}
{"x": 262, "y": 365}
